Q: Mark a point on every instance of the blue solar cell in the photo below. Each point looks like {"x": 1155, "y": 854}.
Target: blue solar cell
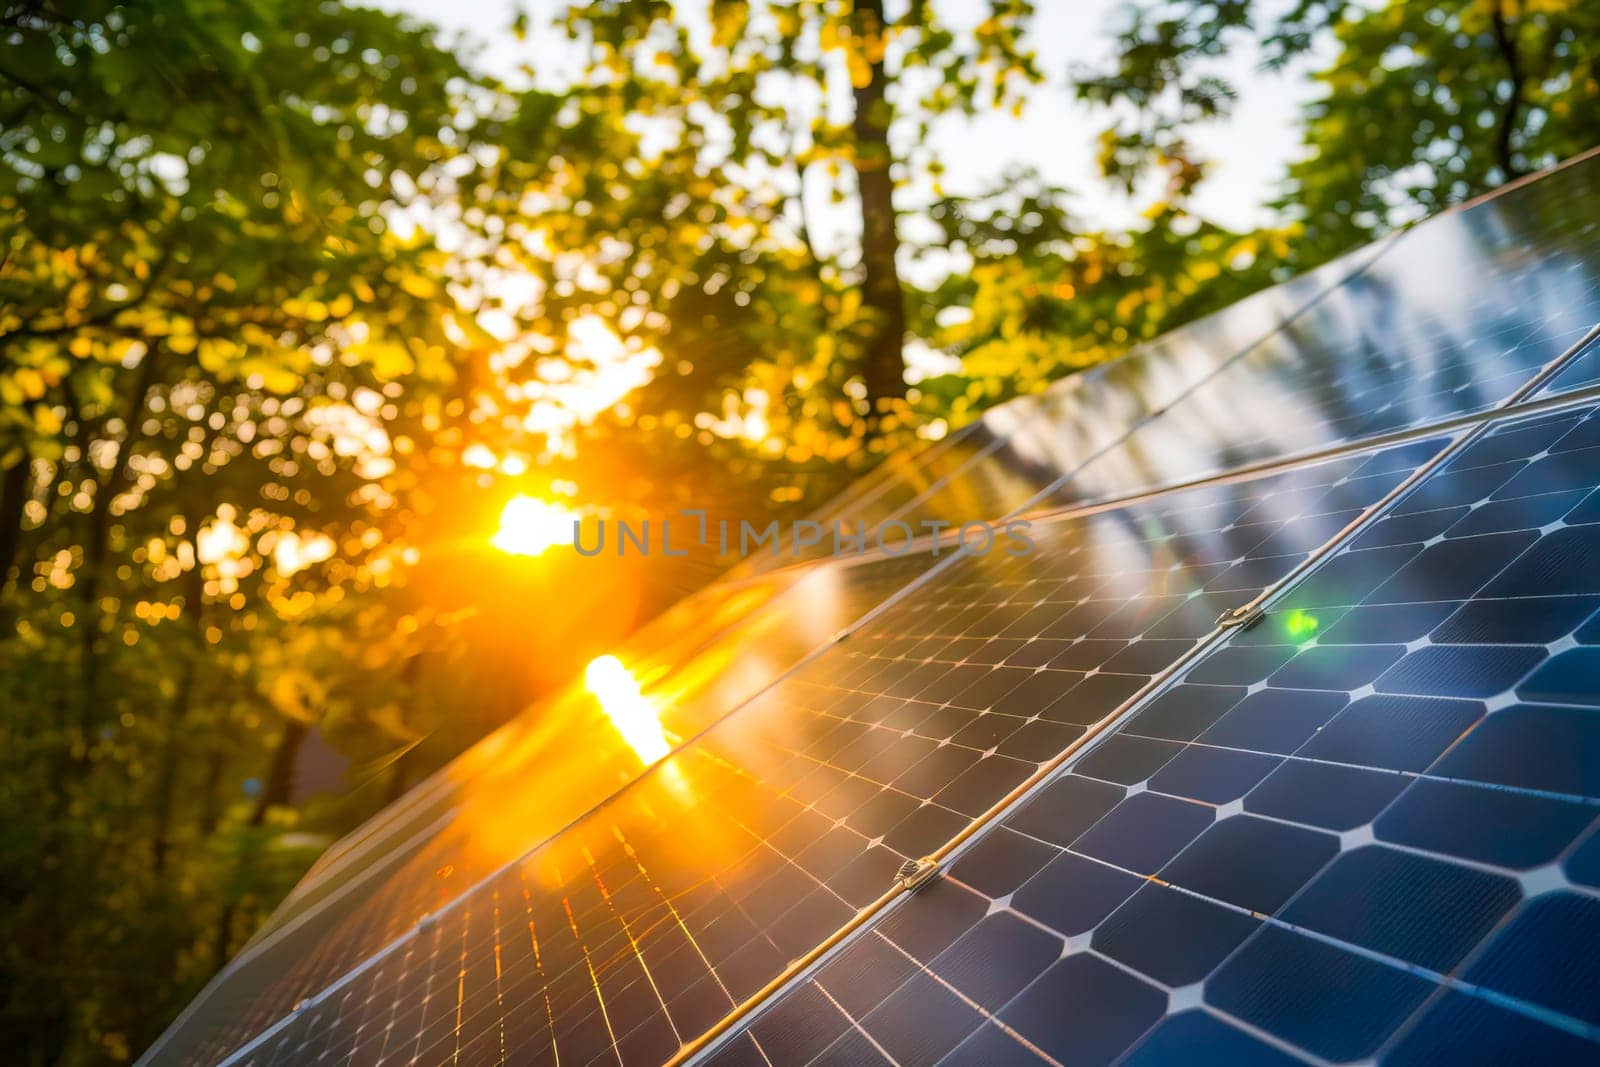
{"x": 1508, "y": 829}
{"x": 1409, "y": 907}
{"x": 1392, "y": 732}
{"x": 1173, "y": 937}
{"x": 1073, "y": 893}
{"x": 1324, "y": 795}
{"x": 1529, "y": 747}
{"x": 1573, "y": 677}
{"x": 1213, "y": 775}
{"x": 1197, "y": 1038}
{"x": 1460, "y": 670}
{"x": 1126, "y": 760}
{"x": 1464, "y": 1030}
{"x": 1081, "y": 1010}
{"x": 1583, "y": 866}
{"x": 1181, "y": 716}
{"x": 1336, "y": 667}
{"x": 1065, "y": 809}
{"x": 1383, "y": 624}
{"x": 1536, "y": 620}
{"x": 1285, "y": 984}
{"x": 920, "y": 1022}
{"x": 1224, "y": 863}
{"x": 1546, "y": 956}
{"x": 1272, "y": 720}
{"x": 968, "y": 965}
{"x": 799, "y": 1029}
{"x": 1145, "y": 831}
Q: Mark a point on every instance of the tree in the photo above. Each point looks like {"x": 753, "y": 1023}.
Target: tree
{"x": 1423, "y": 105}
{"x": 218, "y": 333}
{"x": 739, "y": 132}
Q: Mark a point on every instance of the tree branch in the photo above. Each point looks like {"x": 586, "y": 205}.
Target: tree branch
{"x": 1505, "y": 41}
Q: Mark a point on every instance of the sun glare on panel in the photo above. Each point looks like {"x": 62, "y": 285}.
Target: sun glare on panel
{"x": 529, "y": 526}
{"x": 630, "y": 713}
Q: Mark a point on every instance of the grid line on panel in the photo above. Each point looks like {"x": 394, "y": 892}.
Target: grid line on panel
{"x": 1475, "y": 427}
{"x": 1469, "y": 949}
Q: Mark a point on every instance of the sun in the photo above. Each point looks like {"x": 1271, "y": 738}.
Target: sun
{"x": 530, "y": 526}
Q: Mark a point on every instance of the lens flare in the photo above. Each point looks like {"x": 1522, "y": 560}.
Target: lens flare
{"x": 630, "y": 713}
{"x": 530, "y": 526}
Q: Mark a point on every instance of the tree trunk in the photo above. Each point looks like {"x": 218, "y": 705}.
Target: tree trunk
{"x": 211, "y": 791}
{"x": 177, "y": 718}
{"x": 1505, "y": 40}
{"x": 14, "y": 486}
{"x": 275, "y": 791}
{"x": 883, "y": 366}
{"x": 97, "y": 541}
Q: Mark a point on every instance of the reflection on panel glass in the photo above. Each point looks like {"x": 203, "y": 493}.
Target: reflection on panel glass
{"x": 649, "y": 918}
{"x": 1367, "y": 827}
{"x": 1453, "y": 319}
{"x": 526, "y": 782}
{"x": 1024, "y": 446}
{"x": 663, "y": 651}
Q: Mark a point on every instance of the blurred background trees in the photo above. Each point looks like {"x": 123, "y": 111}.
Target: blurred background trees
{"x": 295, "y": 297}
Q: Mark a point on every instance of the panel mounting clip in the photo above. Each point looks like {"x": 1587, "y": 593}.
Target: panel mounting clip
{"x": 1242, "y": 617}
{"x": 914, "y": 874}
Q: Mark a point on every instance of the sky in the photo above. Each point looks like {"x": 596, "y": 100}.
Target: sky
{"x": 1056, "y": 134}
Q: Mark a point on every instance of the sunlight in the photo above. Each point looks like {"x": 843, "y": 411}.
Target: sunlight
{"x": 530, "y": 526}
{"x": 630, "y": 713}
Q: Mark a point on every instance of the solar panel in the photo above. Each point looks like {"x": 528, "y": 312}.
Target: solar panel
{"x": 875, "y": 752}
{"x": 1362, "y": 826}
{"x": 1369, "y": 826}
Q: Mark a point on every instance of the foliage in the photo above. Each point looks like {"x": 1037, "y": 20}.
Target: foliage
{"x": 1423, "y": 105}
{"x": 216, "y": 351}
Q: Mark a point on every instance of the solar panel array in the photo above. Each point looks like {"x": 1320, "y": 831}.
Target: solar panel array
{"x": 1358, "y": 818}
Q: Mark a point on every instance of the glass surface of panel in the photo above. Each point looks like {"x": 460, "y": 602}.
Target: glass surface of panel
{"x": 1368, "y": 827}
{"x": 697, "y": 884}
{"x": 1452, "y": 319}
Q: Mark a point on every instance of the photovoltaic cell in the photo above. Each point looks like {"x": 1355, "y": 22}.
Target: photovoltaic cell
{"x": 1365, "y": 827}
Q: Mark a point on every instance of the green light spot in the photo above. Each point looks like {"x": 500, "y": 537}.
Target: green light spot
{"x": 1301, "y": 625}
